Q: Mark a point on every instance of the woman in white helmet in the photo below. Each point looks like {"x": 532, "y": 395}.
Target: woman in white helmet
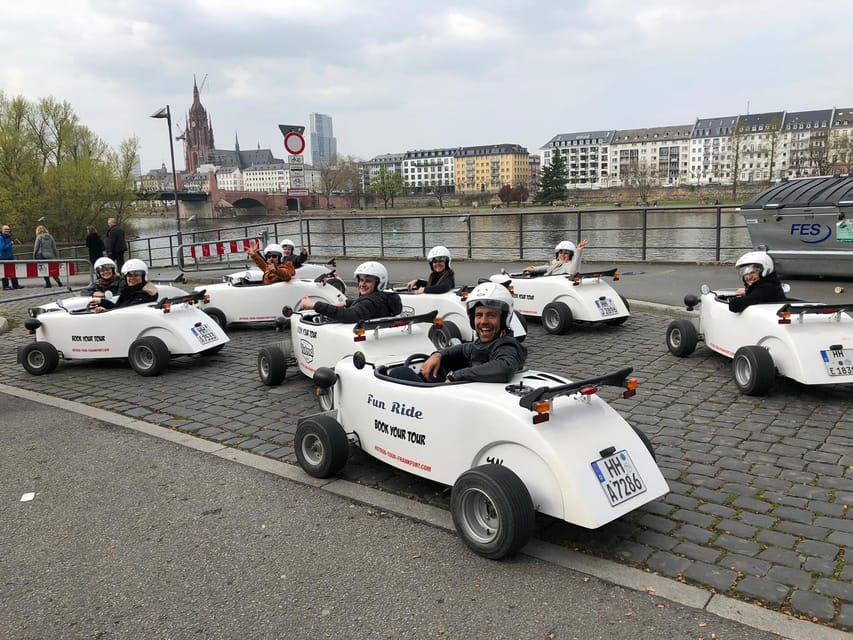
{"x": 372, "y": 301}
{"x": 134, "y": 289}
{"x": 441, "y": 278}
{"x": 106, "y": 278}
{"x": 761, "y": 283}
{"x": 495, "y": 355}
{"x": 271, "y": 262}
{"x": 566, "y": 262}
{"x": 290, "y": 255}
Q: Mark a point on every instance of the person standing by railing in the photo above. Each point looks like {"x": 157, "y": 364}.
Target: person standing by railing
{"x": 94, "y": 244}
{"x": 7, "y": 252}
{"x": 115, "y": 245}
{"x": 44, "y": 248}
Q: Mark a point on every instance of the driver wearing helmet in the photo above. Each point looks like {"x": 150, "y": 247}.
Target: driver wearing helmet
{"x": 107, "y": 278}
{"x": 566, "y": 262}
{"x": 761, "y": 283}
{"x": 495, "y": 355}
{"x": 441, "y": 278}
{"x": 290, "y": 255}
{"x": 134, "y": 289}
{"x": 372, "y": 302}
{"x": 271, "y": 262}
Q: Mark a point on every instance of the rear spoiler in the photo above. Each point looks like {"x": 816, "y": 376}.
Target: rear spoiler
{"x": 800, "y": 309}
{"x": 617, "y": 379}
{"x": 193, "y": 297}
{"x": 396, "y": 321}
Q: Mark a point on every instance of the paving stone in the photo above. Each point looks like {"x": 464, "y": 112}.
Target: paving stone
{"x": 835, "y": 588}
{"x": 802, "y": 530}
{"x": 837, "y": 524}
{"x": 668, "y": 564}
{"x": 695, "y": 534}
{"x": 841, "y": 538}
{"x": 763, "y": 589}
{"x": 692, "y": 517}
{"x": 844, "y": 619}
{"x": 209, "y": 432}
{"x": 756, "y": 519}
{"x": 697, "y": 552}
{"x": 735, "y": 528}
{"x": 790, "y": 576}
{"x": 819, "y": 549}
{"x": 751, "y": 566}
{"x": 656, "y": 540}
{"x": 657, "y": 523}
{"x": 737, "y": 545}
{"x": 718, "y": 510}
{"x": 821, "y": 565}
{"x": 632, "y": 551}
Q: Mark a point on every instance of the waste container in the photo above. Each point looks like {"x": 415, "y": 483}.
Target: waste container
{"x": 806, "y": 225}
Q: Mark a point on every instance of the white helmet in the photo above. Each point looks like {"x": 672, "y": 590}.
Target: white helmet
{"x": 374, "y": 270}
{"x": 439, "y": 253}
{"x": 287, "y": 242}
{"x": 100, "y": 263}
{"x": 274, "y": 248}
{"x": 490, "y": 294}
{"x": 565, "y": 245}
{"x": 755, "y": 261}
{"x": 134, "y": 264}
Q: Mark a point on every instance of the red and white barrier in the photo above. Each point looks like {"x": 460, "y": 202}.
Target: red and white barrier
{"x": 221, "y": 248}
{"x": 25, "y": 269}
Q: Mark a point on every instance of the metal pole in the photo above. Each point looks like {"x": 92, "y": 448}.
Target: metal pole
{"x": 299, "y": 214}
{"x": 174, "y": 173}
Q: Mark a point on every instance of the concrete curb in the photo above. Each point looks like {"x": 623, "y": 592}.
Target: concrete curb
{"x": 729, "y": 608}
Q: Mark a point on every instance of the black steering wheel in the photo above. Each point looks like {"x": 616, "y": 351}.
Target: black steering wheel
{"x": 415, "y": 357}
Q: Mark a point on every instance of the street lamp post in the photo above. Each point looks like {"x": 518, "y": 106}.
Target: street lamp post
{"x": 165, "y": 112}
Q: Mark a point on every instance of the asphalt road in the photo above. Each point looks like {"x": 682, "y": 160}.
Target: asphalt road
{"x": 129, "y": 536}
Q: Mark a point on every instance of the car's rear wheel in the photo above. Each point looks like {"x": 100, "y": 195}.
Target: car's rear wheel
{"x": 272, "y": 366}
{"x": 148, "y": 356}
{"x": 213, "y": 350}
{"x": 681, "y": 338}
{"x": 321, "y": 446}
{"x": 623, "y": 319}
{"x": 492, "y": 511}
{"x": 39, "y": 358}
{"x": 338, "y": 284}
{"x": 218, "y": 316}
{"x": 646, "y": 442}
{"x": 753, "y": 370}
{"x": 327, "y": 399}
{"x": 556, "y": 317}
{"x": 442, "y": 335}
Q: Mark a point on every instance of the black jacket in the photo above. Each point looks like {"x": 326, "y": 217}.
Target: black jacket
{"x": 495, "y": 361}
{"x": 434, "y": 284}
{"x": 144, "y": 293}
{"x": 379, "y": 304}
{"x": 115, "y": 242}
{"x": 766, "y": 289}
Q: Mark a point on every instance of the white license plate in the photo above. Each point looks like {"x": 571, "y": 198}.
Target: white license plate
{"x": 606, "y": 307}
{"x": 618, "y": 477}
{"x": 838, "y": 362}
{"x": 204, "y": 334}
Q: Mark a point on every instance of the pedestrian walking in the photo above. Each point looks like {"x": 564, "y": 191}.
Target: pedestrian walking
{"x": 7, "y": 252}
{"x": 115, "y": 244}
{"x": 45, "y": 248}
{"x": 94, "y": 244}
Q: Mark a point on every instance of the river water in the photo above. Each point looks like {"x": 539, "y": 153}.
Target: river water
{"x": 658, "y": 235}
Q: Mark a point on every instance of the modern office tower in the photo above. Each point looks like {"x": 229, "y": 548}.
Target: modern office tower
{"x": 324, "y": 146}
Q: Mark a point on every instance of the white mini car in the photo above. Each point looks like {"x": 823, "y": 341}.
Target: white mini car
{"x": 452, "y": 320}
{"x": 809, "y": 342}
{"x": 561, "y": 300}
{"x": 316, "y": 341}
{"x": 540, "y": 443}
{"x": 148, "y": 335}
{"x": 234, "y": 301}
{"x": 317, "y": 271}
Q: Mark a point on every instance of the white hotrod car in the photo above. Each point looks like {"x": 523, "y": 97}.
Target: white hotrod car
{"x": 241, "y": 300}
{"x": 809, "y": 342}
{"x": 316, "y": 341}
{"x": 148, "y": 335}
{"x": 452, "y": 321}
{"x": 540, "y": 443}
{"x": 561, "y": 300}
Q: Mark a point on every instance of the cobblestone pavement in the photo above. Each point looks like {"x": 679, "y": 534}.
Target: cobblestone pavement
{"x": 761, "y": 488}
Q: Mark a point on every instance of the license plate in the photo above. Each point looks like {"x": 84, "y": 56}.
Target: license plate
{"x": 838, "y": 362}
{"x": 606, "y": 307}
{"x": 204, "y": 334}
{"x": 618, "y": 477}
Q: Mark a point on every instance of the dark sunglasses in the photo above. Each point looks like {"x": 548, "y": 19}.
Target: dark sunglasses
{"x": 136, "y": 274}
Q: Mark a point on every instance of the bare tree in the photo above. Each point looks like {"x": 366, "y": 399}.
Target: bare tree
{"x": 841, "y": 153}
{"x": 641, "y": 177}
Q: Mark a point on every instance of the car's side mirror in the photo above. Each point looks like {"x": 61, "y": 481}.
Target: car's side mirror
{"x": 287, "y": 311}
{"x": 705, "y": 289}
{"x": 786, "y": 288}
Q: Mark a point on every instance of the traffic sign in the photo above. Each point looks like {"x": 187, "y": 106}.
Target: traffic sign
{"x": 296, "y": 160}
{"x": 298, "y": 193}
{"x": 297, "y": 180}
{"x": 294, "y": 143}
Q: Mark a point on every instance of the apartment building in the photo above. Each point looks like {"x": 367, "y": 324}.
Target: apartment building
{"x": 807, "y": 135}
{"x": 841, "y": 141}
{"x": 487, "y": 168}
{"x": 658, "y": 153}
{"x": 587, "y": 156}
{"x": 424, "y": 171}
{"x": 710, "y": 150}
{"x": 760, "y": 149}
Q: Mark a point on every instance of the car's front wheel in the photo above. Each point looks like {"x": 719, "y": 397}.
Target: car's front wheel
{"x": 442, "y": 335}
{"x": 623, "y": 319}
{"x": 321, "y": 446}
{"x": 556, "y": 317}
{"x": 338, "y": 284}
{"x": 272, "y": 366}
{"x": 681, "y": 338}
{"x": 39, "y": 358}
{"x": 492, "y": 511}
{"x": 753, "y": 370}
{"x": 148, "y": 356}
{"x": 218, "y": 316}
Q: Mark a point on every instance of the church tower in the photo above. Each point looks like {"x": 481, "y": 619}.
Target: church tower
{"x": 198, "y": 135}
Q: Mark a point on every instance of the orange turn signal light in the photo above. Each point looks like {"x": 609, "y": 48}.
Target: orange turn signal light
{"x": 632, "y": 383}
{"x": 616, "y": 276}
{"x": 359, "y": 335}
{"x": 167, "y": 307}
{"x": 206, "y": 298}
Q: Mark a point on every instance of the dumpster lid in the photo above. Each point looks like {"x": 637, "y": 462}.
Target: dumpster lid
{"x": 824, "y": 191}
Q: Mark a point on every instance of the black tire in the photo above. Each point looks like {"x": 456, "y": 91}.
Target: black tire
{"x": 753, "y": 370}
{"x": 646, "y": 442}
{"x": 321, "y": 446}
{"x": 213, "y": 350}
{"x": 523, "y": 322}
{"x": 338, "y": 284}
{"x": 39, "y": 358}
{"x": 556, "y": 317}
{"x": 615, "y": 322}
{"x": 492, "y": 511}
{"x": 441, "y": 336}
{"x": 148, "y": 356}
{"x": 681, "y": 338}
{"x": 218, "y": 316}
{"x": 272, "y": 366}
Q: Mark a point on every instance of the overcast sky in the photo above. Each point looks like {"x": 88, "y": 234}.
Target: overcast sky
{"x": 417, "y": 75}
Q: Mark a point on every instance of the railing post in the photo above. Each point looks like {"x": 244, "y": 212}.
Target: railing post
{"x": 343, "y": 236}
{"x": 719, "y": 230}
{"x": 521, "y": 236}
{"x": 580, "y": 226}
{"x": 382, "y": 236}
{"x": 308, "y": 234}
{"x": 470, "y": 240}
{"x": 645, "y": 233}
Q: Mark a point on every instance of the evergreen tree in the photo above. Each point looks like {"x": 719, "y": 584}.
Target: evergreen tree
{"x": 552, "y": 184}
